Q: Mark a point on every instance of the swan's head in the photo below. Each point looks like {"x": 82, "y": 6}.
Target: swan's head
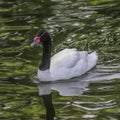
{"x": 41, "y": 36}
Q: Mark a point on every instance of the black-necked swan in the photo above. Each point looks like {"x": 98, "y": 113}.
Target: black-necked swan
{"x": 66, "y": 64}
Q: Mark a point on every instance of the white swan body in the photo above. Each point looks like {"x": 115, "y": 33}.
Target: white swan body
{"x": 67, "y": 64}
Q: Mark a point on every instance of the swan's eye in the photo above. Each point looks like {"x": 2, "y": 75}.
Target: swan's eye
{"x": 37, "y": 39}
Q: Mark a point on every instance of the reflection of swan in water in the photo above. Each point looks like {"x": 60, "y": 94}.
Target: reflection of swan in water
{"x": 72, "y": 88}
{"x": 50, "y": 111}
{"x": 76, "y": 86}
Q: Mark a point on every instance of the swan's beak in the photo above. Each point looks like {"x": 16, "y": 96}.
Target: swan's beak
{"x": 34, "y": 43}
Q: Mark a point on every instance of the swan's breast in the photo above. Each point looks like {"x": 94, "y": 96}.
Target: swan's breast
{"x": 44, "y": 75}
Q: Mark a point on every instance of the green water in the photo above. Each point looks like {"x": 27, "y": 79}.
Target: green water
{"x": 92, "y": 25}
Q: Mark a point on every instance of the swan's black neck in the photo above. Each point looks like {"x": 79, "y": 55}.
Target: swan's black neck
{"x": 45, "y": 64}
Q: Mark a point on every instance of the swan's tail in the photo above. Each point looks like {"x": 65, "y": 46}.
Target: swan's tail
{"x": 92, "y": 60}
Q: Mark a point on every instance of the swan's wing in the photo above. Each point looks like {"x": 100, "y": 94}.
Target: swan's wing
{"x": 68, "y": 63}
{"x": 66, "y": 58}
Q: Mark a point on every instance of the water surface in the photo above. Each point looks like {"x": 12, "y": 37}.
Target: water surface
{"x": 86, "y": 25}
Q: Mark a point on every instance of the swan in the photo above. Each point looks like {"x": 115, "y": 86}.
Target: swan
{"x": 66, "y": 64}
